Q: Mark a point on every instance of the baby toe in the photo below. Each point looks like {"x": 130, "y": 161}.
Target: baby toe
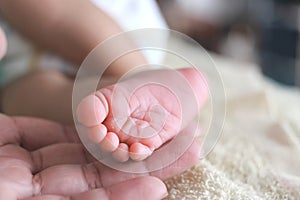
{"x": 97, "y": 133}
{"x": 138, "y": 151}
{"x": 110, "y": 142}
{"x": 92, "y": 111}
{"x": 121, "y": 154}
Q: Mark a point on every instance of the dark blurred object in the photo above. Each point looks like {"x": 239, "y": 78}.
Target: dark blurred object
{"x": 262, "y": 31}
{"x": 288, "y": 1}
{"x": 203, "y": 20}
{"x": 279, "y": 43}
{"x": 218, "y": 25}
{"x": 279, "y": 53}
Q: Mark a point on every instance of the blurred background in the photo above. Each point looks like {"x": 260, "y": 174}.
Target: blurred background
{"x": 265, "y": 32}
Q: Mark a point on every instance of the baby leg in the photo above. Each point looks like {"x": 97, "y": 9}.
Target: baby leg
{"x": 45, "y": 94}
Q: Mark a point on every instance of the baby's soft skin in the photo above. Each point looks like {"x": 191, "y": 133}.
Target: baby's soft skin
{"x": 136, "y": 116}
{"x": 3, "y": 44}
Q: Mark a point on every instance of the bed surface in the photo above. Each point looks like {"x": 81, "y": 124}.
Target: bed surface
{"x": 257, "y": 155}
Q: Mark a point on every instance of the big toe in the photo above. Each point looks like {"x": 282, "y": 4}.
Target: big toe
{"x": 92, "y": 110}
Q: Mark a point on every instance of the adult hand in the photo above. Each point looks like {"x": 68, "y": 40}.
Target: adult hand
{"x": 41, "y": 159}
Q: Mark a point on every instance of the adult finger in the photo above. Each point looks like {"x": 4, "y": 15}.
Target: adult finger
{"x": 65, "y": 153}
{"x": 190, "y": 157}
{"x": 71, "y": 179}
{"x": 184, "y": 150}
{"x": 139, "y": 188}
{"x": 56, "y": 154}
{"x": 71, "y": 153}
{"x": 185, "y": 162}
{"x": 33, "y": 133}
{"x": 146, "y": 187}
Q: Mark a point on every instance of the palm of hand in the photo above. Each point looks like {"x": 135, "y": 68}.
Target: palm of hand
{"x": 44, "y": 160}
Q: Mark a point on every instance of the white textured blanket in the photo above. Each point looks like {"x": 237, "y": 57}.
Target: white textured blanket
{"x": 258, "y": 155}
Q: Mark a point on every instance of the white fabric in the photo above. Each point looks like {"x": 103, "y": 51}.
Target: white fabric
{"x": 135, "y": 14}
{"x": 257, "y": 156}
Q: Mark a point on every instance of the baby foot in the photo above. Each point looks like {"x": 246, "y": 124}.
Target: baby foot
{"x": 136, "y": 116}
